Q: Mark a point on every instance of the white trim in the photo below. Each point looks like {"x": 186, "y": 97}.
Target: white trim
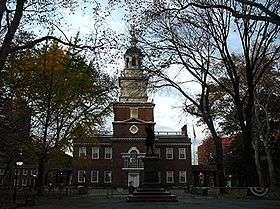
{"x": 166, "y": 153}
{"x": 97, "y": 176}
{"x": 133, "y": 149}
{"x": 24, "y": 172}
{"x": 133, "y": 169}
{"x": 172, "y": 176}
{"x": 82, "y": 151}
{"x": 158, "y": 152}
{"x": 81, "y": 172}
{"x": 95, "y": 148}
{"x": 110, "y": 176}
{"x": 182, "y": 174}
{"x": 184, "y": 152}
{"x": 110, "y": 152}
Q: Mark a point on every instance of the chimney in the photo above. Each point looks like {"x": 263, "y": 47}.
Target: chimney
{"x": 185, "y": 130}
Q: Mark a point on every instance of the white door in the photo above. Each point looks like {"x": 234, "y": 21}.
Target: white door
{"x": 134, "y": 179}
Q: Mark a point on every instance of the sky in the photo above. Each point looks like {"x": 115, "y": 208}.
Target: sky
{"x": 168, "y": 104}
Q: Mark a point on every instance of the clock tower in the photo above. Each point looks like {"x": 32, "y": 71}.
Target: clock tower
{"x": 133, "y": 111}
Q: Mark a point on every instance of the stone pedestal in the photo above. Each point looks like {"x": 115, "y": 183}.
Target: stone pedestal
{"x": 151, "y": 190}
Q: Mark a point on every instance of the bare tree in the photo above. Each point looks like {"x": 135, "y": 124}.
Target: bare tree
{"x": 256, "y": 41}
{"x": 267, "y": 10}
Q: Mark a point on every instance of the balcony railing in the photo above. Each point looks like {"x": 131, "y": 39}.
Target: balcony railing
{"x": 133, "y": 163}
{"x": 168, "y": 133}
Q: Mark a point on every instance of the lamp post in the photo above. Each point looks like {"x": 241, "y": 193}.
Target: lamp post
{"x": 18, "y": 163}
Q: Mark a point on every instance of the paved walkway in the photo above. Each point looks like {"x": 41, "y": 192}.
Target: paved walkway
{"x": 119, "y": 202}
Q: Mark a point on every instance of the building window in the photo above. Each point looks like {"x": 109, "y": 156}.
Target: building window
{"x": 157, "y": 151}
{"x": 133, "y": 112}
{"x": 169, "y": 153}
{"x": 82, "y": 151}
{"x": 107, "y": 176}
{"x": 24, "y": 172}
{"x": 95, "y": 153}
{"x": 182, "y": 153}
{"x": 108, "y": 152}
{"x": 17, "y": 171}
{"x": 182, "y": 176}
{"x": 169, "y": 177}
{"x": 94, "y": 176}
{"x": 34, "y": 172}
{"x": 1, "y": 180}
{"x": 81, "y": 176}
{"x": 24, "y": 181}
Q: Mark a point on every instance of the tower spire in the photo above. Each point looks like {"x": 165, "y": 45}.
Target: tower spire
{"x": 133, "y": 38}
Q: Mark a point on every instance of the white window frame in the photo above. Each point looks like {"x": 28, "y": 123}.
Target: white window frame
{"x": 169, "y": 174}
{"x": 17, "y": 171}
{"x": 110, "y": 176}
{"x": 182, "y": 174}
{"x": 34, "y": 172}
{"x": 95, "y": 150}
{"x": 24, "y": 172}
{"x": 158, "y": 152}
{"x": 169, "y": 151}
{"x": 108, "y": 150}
{"x": 133, "y": 112}
{"x": 81, "y": 172}
{"x": 97, "y": 176}
{"x": 82, "y": 151}
{"x": 183, "y": 152}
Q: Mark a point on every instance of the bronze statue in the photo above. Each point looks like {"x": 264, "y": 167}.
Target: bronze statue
{"x": 150, "y": 140}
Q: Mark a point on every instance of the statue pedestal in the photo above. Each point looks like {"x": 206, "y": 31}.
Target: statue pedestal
{"x": 151, "y": 190}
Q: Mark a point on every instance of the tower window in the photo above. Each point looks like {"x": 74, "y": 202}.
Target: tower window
{"x": 133, "y": 112}
{"x": 127, "y": 62}
{"x": 133, "y": 61}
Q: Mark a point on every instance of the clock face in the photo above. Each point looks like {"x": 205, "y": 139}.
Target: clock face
{"x": 133, "y": 129}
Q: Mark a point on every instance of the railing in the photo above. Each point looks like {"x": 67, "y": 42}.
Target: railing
{"x": 168, "y": 133}
{"x": 133, "y": 163}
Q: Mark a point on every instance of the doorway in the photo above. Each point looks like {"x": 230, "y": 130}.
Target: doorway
{"x": 134, "y": 179}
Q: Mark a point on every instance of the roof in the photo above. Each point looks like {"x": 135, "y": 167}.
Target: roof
{"x": 133, "y": 50}
{"x": 159, "y": 139}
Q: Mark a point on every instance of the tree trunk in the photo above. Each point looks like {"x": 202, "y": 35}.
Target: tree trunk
{"x": 7, "y": 42}
{"x": 272, "y": 176}
{"x": 41, "y": 175}
{"x": 257, "y": 162}
{"x": 218, "y": 154}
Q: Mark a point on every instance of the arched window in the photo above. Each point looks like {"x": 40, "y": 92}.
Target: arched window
{"x": 133, "y": 159}
{"x": 133, "y": 61}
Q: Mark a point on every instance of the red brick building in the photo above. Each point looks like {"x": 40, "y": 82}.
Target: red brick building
{"x": 116, "y": 160}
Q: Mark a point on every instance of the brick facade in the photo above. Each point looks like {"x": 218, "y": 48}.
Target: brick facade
{"x": 131, "y": 115}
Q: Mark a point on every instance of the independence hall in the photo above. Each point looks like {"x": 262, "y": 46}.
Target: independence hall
{"x": 116, "y": 160}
